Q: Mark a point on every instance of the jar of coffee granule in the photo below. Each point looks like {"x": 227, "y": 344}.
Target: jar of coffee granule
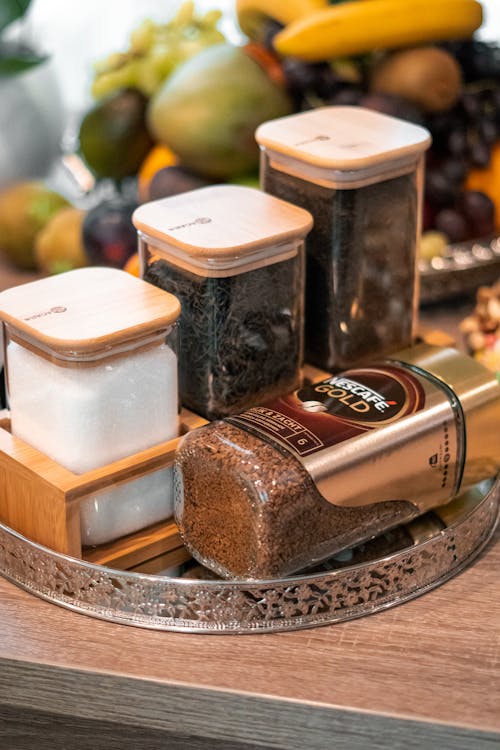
{"x": 360, "y": 174}
{"x": 289, "y": 483}
{"x": 234, "y": 257}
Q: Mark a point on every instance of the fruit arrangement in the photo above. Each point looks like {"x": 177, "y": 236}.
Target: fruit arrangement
{"x": 178, "y": 109}
{"x": 418, "y": 61}
{"x": 40, "y": 230}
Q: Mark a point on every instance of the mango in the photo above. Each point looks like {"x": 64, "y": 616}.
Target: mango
{"x": 208, "y": 110}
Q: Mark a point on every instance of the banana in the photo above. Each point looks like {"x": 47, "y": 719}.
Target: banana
{"x": 353, "y": 28}
{"x": 253, "y": 14}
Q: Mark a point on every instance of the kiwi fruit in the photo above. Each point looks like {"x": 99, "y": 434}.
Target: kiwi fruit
{"x": 429, "y": 77}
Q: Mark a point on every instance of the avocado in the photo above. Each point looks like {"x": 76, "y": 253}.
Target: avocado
{"x": 113, "y": 135}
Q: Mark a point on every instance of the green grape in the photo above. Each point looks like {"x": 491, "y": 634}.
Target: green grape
{"x": 156, "y": 50}
{"x": 143, "y": 38}
{"x": 127, "y": 76}
{"x": 185, "y": 15}
{"x": 211, "y": 18}
{"x": 147, "y": 80}
{"x": 432, "y": 244}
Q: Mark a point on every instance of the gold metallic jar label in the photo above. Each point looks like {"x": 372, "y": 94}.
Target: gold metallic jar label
{"x": 386, "y": 420}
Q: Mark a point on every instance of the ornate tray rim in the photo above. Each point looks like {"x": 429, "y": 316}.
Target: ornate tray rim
{"x": 465, "y": 266}
{"x": 250, "y": 606}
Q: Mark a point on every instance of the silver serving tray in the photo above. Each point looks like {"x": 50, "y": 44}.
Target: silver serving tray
{"x": 465, "y": 267}
{"x": 245, "y": 606}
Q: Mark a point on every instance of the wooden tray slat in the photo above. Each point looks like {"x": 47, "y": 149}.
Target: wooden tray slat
{"x": 133, "y": 549}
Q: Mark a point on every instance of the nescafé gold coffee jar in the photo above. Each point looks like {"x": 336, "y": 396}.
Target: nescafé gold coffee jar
{"x": 290, "y": 483}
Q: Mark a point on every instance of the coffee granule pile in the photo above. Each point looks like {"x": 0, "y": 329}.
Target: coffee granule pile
{"x": 241, "y": 336}
{"x": 246, "y": 509}
{"x": 360, "y": 271}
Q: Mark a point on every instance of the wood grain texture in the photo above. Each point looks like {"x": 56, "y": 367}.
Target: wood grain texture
{"x": 31, "y": 498}
{"x": 90, "y": 311}
{"x": 425, "y": 674}
{"x": 422, "y": 674}
{"x": 45, "y": 731}
{"x": 162, "y": 563}
{"x": 192, "y": 228}
{"x": 131, "y": 550}
{"x": 39, "y": 497}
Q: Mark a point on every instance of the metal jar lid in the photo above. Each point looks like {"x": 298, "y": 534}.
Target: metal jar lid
{"x": 478, "y": 391}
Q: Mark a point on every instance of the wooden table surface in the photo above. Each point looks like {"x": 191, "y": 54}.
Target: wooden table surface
{"x": 424, "y": 674}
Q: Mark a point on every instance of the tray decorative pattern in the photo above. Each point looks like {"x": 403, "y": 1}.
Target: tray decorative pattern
{"x": 179, "y": 604}
{"x": 464, "y": 267}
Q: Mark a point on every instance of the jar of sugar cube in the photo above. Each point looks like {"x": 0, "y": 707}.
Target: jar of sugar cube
{"x": 91, "y": 374}
{"x": 360, "y": 174}
{"x": 234, "y": 257}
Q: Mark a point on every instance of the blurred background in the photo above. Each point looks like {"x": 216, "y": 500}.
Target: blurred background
{"x": 78, "y": 34}
{"x": 132, "y": 102}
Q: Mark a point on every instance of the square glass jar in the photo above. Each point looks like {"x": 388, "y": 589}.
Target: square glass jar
{"x": 91, "y": 374}
{"x": 234, "y": 257}
{"x": 360, "y": 174}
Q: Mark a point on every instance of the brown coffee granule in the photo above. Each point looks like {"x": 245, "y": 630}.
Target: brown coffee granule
{"x": 246, "y": 509}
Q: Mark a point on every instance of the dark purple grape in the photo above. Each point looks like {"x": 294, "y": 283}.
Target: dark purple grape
{"x": 309, "y": 78}
{"x": 442, "y": 123}
{"x": 300, "y": 79}
{"x": 471, "y": 104}
{"x": 495, "y": 105}
{"x": 452, "y": 224}
{"x": 172, "y": 181}
{"x": 457, "y": 143}
{"x": 488, "y": 131}
{"x": 477, "y": 59}
{"x": 455, "y": 170}
{"x": 479, "y": 212}
{"x": 395, "y": 106}
{"x": 428, "y": 216}
{"x": 326, "y": 81}
{"x": 480, "y": 154}
{"x": 349, "y": 96}
{"x": 440, "y": 191}
{"x": 271, "y": 28}
{"x": 486, "y": 61}
{"x": 108, "y": 234}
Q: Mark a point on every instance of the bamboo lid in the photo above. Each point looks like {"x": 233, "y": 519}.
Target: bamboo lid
{"x": 87, "y": 309}
{"x": 224, "y": 223}
{"x": 344, "y": 138}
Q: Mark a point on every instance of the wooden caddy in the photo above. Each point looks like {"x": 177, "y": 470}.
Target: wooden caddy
{"x": 40, "y": 499}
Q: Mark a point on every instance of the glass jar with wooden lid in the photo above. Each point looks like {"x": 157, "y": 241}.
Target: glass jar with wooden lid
{"x": 360, "y": 174}
{"x": 91, "y": 373}
{"x": 234, "y": 257}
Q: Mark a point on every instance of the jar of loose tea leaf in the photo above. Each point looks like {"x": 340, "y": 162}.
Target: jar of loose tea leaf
{"x": 234, "y": 257}
{"x": 360, "y": 174}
